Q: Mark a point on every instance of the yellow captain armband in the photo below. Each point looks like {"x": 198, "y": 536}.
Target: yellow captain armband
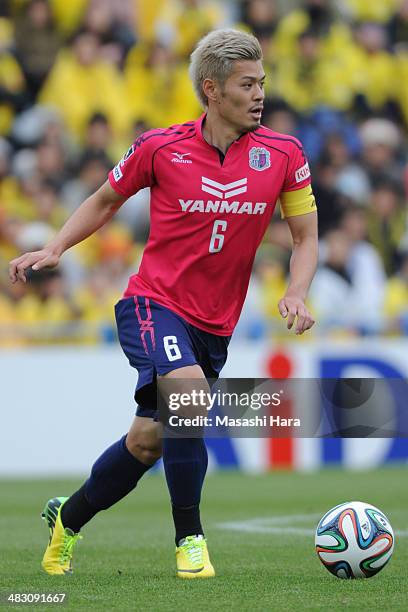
{"x": 298, "y": 202}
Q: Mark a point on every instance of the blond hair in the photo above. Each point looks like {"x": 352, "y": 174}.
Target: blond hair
{"x": 214, "y": 55}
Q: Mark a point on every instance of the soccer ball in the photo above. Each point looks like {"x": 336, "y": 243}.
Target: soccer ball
{"x": 354, "y": 540}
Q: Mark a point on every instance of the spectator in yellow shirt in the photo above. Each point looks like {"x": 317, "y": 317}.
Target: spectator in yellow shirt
{"x": 46, "y": 313}
{"x": 372, "y": 68}
{"x": 153, "y": 75}
{"x": 311, "y": 78}
{"x": 80, "y": 84}
{"x": 320, "y": 17}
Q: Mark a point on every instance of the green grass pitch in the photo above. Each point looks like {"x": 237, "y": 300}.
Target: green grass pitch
{"x": 126, "y": 559}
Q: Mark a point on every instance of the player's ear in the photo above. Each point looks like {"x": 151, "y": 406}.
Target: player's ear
{"x": 210, "y": 90}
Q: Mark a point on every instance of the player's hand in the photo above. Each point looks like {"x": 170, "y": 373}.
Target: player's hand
{"x": 46, "y": 258}
{"x": 294, "y": 307}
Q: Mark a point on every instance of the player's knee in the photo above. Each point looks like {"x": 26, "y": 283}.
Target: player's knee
{"x": 146, "y": 451}
{"x": 147, "y": 455}
{"x": 144, "y": 440}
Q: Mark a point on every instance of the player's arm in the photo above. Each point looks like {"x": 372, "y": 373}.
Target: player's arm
{"x": 303, "y": 265}
{"x": 94, "y": 212}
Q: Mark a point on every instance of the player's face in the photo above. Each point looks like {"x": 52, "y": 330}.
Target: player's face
{"x": 242, "y": 96}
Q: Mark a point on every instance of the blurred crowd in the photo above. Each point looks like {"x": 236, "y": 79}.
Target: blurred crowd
{"x": 81, "y": 79}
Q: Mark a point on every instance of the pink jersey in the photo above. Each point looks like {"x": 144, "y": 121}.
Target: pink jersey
{"x": 207, "y": 216}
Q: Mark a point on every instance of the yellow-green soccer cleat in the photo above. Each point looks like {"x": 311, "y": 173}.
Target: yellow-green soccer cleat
{"x": 57, "y": 558}
{"x": 192, "y": 558}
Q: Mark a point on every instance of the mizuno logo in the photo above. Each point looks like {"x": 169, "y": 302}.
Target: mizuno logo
{"x": 179, "y": 158}
{"x": 224, "y": 191}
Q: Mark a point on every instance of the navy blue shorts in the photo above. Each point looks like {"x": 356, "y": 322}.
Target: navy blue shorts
{"x": 156, "y": 341}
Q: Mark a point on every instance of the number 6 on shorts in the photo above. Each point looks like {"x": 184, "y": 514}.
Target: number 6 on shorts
{"x": 171, "y": 348}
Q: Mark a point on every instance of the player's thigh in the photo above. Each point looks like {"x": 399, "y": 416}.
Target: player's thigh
{"x": 144, "y": 439}
{"x": 185, "y": 373}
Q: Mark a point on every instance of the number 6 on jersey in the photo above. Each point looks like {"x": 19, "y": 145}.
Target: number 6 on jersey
{"x": 217, "y": 240}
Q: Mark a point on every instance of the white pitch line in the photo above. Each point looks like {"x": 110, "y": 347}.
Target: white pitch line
{"x": 272, "y": 524}
{"x": 278, "y": 525}
{"x": 243, "y": 527}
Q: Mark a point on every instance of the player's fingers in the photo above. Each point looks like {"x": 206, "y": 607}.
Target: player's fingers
{"x": 308, "y": 323}
{"x": 282, "y": 309}
{"x": 46, "y": 262}
{"x": 13, "y": 271}
{"x": 21, "y": 272}
{"x": 18, "y": 266}
{"x": 301, "y": 319}
{"x": 23, "y": 264}
{"x": 291, "y": 317}
{"x": 13, "y": 267}
{"x": 40, "y": 264}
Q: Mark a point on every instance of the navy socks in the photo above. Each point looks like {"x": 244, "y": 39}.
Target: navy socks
{"x": 113, "y": 476}
{"x": 186, "y": 522}
{"x": 185, "y": 465}
{"x": 117, "y": 472}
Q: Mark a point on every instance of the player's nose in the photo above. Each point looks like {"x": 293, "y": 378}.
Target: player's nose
{"x": 259, "y": 93}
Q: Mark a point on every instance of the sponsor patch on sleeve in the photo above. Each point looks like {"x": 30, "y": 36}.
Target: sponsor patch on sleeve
{"x": 117, "y": 173}
{"x": 302, "y": 173}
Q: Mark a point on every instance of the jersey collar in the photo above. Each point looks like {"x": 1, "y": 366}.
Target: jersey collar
{"x": 199, "y": 133}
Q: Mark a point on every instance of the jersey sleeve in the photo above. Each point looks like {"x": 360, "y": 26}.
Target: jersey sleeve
{"x": 134, "y": 171}
{"x": 296, "y": 197}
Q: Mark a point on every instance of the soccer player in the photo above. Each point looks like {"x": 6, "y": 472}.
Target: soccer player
{"x": 214, "y": 185}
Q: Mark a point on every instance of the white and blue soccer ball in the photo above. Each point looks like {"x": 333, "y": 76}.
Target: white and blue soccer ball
{"x": 354, "y": 540}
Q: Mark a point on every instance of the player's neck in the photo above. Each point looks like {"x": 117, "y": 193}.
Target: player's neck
{"x": 219, "y": 133}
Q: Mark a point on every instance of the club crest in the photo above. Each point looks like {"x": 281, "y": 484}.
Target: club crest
{"x": 259, "y": 158}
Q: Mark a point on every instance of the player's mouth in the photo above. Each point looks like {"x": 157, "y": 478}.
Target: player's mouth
{"x": 256, "y": 112}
